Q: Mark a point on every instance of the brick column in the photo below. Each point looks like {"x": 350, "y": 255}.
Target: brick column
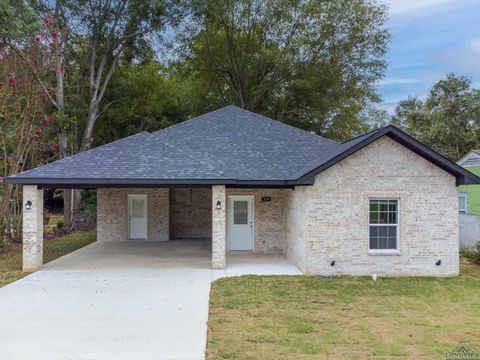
{"x": 32, "y": 228}
{"x": 219, "y": 222}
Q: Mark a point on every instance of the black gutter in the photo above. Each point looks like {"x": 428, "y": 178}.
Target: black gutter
{"x": 79, "y": 183}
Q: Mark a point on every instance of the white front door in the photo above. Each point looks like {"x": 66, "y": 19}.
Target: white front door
{"x": 240, "y": 222}
{"x": 137, "y": 216}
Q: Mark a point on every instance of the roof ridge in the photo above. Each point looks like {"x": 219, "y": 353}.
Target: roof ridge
{"x": 266, "y": 118}
{"x": 285, "y": 124}
{"x": 190, "y": 120}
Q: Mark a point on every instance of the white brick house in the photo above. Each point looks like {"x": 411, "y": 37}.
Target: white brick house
{"x": 380, "y": 203}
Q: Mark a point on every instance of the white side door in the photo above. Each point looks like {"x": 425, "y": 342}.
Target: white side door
{"x": 240, "y": 223}
{"x": 137, "y": 216}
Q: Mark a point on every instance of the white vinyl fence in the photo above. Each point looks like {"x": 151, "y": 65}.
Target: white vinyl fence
{"x": 469, "y": 230}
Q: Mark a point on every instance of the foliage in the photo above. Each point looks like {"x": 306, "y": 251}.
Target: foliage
{"x": 306, "y": 317}
{"x": 17, "y": 20}
{"x": 60, "y": 225}
{"x": 88, "y": 208}
{"x": 147, "y": 97}
{"x": 24, "y": 129}
{"x": 448, "y": 120}
{"x": 311, "y": 63}
{"x": 471, "y": 252}
{"x": 108, "y": 28}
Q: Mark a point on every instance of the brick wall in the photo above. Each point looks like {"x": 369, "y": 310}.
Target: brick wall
{"x": 219, "y": 239}
{"x": 329, "y": 221}
{"x": 269, "y": 218}
{"x": 112, "y": 214}
{"x": 32, "y": 228}
{"x": 296, "y": 248}
{"x": 190, "y": 213}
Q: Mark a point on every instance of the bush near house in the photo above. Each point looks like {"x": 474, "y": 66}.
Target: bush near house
{"x": 472, "y": 252}
{"x": 306, "y": 317}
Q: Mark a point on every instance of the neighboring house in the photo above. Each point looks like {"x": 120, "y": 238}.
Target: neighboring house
{"x": 380, "y": 203}
{"x": 469, "y": 195}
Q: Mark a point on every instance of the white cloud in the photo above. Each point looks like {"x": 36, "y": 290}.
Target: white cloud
{"x": 389, "y": 107}
{"x": 463, "y": 59}
{"x": 403, "y": 6}
{"x": 397, "y": 81}
{"x": 474, "y": 45}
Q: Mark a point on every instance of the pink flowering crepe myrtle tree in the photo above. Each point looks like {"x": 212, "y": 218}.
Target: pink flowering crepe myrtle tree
{"x": 25, "y": 131}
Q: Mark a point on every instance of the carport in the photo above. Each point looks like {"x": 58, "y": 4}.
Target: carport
{"x": 179, "y": 215}
{"x": 189, "y": 221}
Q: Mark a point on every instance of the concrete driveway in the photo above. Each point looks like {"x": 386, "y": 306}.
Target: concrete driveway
{"x": 118, "y": 300}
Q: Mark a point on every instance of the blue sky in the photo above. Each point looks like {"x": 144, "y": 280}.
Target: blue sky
{"x": 429, "y": 38}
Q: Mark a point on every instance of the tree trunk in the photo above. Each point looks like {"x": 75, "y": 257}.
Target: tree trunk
{"x": 67, "y": 208}
{"x": 63, "y": 153}
{"x": 76, "y": 215}
{"x": 87, "y": 134}
{"x": 5, "y": 213}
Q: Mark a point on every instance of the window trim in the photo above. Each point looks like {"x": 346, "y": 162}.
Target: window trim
{"x": 384, "y": 251}
{"x": 465, "y": 195}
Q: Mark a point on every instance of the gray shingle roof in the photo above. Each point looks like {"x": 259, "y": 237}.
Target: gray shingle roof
{"x": 226, "y": 146}
{"x": 470, "y": 159}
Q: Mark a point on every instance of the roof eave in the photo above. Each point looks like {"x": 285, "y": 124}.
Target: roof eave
{"x": 125, "y": 182}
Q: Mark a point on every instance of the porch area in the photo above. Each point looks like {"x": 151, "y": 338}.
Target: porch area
{"x": 182, "y": 255}
{"x": 236, "y": 231}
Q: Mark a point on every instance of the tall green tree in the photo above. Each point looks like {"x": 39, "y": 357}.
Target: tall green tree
{"x": 149, "y": 97}
{"x": 17, "y": 20}
{"x": 448, "y": 120}
{"x": 107, "y": 28}
{"x": 25, "y": 131}
{"x": 101, "y": 33}
{"x": 311, "y": 63}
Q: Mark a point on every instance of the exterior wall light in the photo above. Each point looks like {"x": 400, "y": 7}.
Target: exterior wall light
{"x": 438, "y": 263}
{"x": 28, "y": 205}
{"x": 219, "y": 205}
{"x": 332, "y": 263}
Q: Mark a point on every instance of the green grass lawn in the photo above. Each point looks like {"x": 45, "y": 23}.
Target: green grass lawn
{"x": 55, "y": 219}
{"x": 304, "y": 317}
{"x": 11, "y": 260}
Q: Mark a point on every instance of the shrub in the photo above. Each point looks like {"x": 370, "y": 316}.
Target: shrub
{"x": 60, "y": 225}
{"x": 88, "y": 207}
{"x": 472, "y": 252}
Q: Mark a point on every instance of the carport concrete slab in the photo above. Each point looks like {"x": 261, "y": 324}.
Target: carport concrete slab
{"x": 117, "y": 300}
